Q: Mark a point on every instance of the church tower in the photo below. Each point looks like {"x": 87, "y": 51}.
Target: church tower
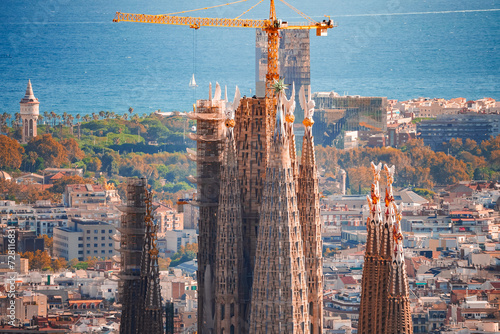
{"x": 385, "y": 306}
{"x": 308, "y": 203}
{"x": 279, "y": 292}
{"x": 29, "y": 114}
{"x": 229, "y": 270}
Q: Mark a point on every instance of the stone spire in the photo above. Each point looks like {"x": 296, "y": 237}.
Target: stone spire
{"x": 229, "y": 285}
{"x": 29, "y": 97}
{"x": 279, "y": 293}
{"x": 289, "y": 110}
{"x": 385, "y": 307}
{"x": 370, "y": 303}
{"x": 308, "y": 203}
{"x": 399, "y": 319}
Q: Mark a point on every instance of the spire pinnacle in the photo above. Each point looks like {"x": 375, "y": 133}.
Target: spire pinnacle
{"x": 29, "y": 97}
{"x": 279, "y": 129}
{"x": 29, "y": 89}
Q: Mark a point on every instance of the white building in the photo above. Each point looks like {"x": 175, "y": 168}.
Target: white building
{"x": 85, "y": 238}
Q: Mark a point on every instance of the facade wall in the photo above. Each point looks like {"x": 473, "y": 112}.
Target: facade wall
{"x": 477, "y": 127}
{"x": 335, "y": 114}
{"x": 85, "y": 239}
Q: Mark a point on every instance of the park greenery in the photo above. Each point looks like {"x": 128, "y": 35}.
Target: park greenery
{"x": 417, "y": 166}
{"x": 104, "y": 145}
{"x": 115, "y": 147}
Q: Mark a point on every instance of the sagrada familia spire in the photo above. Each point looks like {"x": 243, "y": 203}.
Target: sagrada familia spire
{"x": 279, "y": 294}
{"x": 385, "y": 307}
{"x": 308, "y": 202}
{"x": 229, "y": 270}
{"x": 264, "y": 245}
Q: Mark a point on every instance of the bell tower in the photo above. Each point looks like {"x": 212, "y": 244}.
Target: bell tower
{"x": 29, "y": 114}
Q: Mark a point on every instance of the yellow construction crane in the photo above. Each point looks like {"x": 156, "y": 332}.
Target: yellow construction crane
{"x": 271, "y": 26}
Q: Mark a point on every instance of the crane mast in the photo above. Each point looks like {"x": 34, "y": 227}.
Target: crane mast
{"x": 271, "y": 26}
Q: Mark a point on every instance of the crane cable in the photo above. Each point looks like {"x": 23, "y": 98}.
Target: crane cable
{"x": 193, "y": 10}
{"x": 237, "y": 17}
{"x": 299, "y": 12}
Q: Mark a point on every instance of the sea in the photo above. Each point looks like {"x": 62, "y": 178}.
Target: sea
{"x": 80, "y": 62}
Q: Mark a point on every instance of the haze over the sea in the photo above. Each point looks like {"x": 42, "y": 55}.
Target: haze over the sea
{"x": 81, "y": 62}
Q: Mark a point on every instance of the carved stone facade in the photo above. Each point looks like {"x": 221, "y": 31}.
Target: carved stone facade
{"x": 385, "y": 305}
{"x": 261, "y": 246}
{"x": 230, "y": 277}
{"x": 279, "y": 291}
{"x": 308, "y": 202}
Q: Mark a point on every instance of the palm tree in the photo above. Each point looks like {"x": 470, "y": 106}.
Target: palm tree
{"x": 94, "y": 116}
{"x": 78, "y": 123}
{"x": 46, "y": 115}
{"x": 32, "y": 156}
{"x": 69, "y": 121}
{"x": 102, "y": 114}
{"x": 7, "y": 118}
{"x": 125, "y": 116}
{"x": 130, "y": 110}
{"x": 18, "y": 121}
{"x": 53, "y": 116}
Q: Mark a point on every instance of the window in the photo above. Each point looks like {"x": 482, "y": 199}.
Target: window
{"x": 80, "y": 252}
{"x": 103, "y": 245}
{"x": 95, "y": 252}
{"x": 103, "y": 231}
{"x": 103, "y": 252}
{"x": 103, "y": 238}
{"x": 88, "y": 245}
{"x": 88, "y": 252}
{"x": 88, "y": 238}
{"x": 110, "y": 231}
{"x": 95, "y": 238}
{"x": 110, "y": 245}
{"x": 96, "y": 231}
{"x": 95, "y": 245}
{"x": 80, "y": 238}
{"x": 80, "y": 245}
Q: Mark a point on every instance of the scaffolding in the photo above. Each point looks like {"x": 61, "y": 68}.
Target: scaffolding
{"x": 132, "y": 229}
{"x": 150, "y": 318}
{"x": 209, "y": 116}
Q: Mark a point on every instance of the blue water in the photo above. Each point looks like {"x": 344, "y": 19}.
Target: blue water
{"x": 81, "y": 62}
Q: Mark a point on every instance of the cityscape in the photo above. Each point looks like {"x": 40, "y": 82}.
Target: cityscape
{"x": 287, "y": 210}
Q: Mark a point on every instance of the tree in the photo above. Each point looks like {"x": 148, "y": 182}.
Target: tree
{"x": 60, "y": 185}
{"x": 59, "y": 263}
{"x": 11, "y": 153}
{"x": 109, "y": 164}
{"x": 163, "y": 264}
{"x": 51, "y": 151}
{"x": 92, "y": 261}
{"x": 93, "y": 164}
{"x": 40, "y": 261}
{"x": 73, "y": 149}
{"x": 48, "y": 242}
